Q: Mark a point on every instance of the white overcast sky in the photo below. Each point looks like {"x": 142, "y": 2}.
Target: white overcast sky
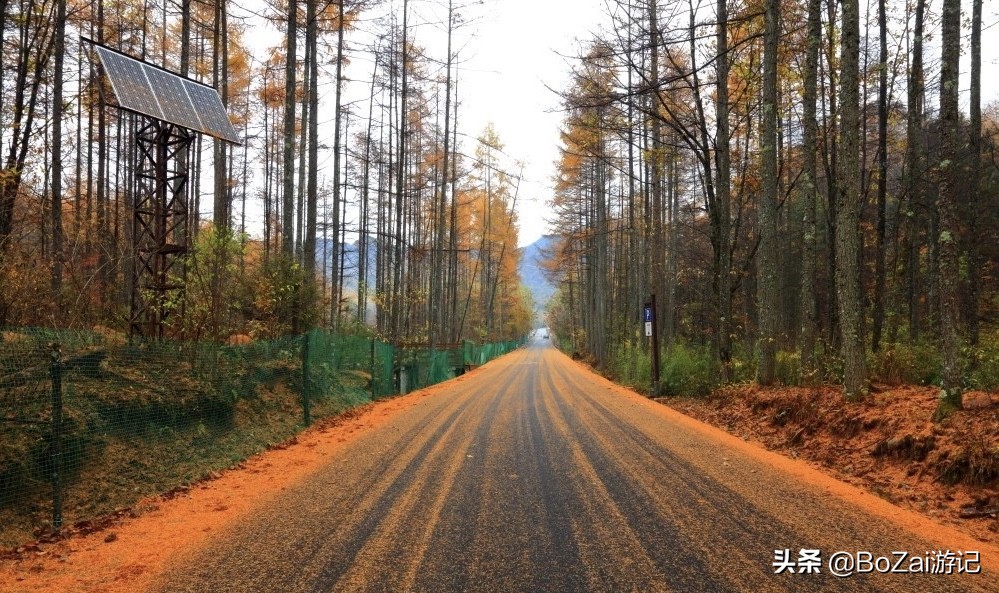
{"x": 513, "y": 53}
{"x": 513, "y": 60}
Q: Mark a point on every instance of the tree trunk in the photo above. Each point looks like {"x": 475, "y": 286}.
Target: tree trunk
{"x": 57, "y": 111}
{"x": 881, "y": 246}
{"x": 848, "y": 209}
{"x": 288, "y": 215}
{"x": 806, "y": 345}
{"x": 767, "y": 211}
{"x": 311, "y": 197}
{"x": 914, "y": 168}
{"x": 831, "y": 127}
{"x": 723, "y": 196}
{"x": 436, "y": 304}
{"x": 337, "y": 271}
{"x": 398, "y": 268}
{"x": 222, "y": 208}
{"x": 949, "y": 170}
{"x": 975, "y": 168}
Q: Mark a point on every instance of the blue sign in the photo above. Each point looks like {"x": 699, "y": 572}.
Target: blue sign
{"x": 648, "y": 313}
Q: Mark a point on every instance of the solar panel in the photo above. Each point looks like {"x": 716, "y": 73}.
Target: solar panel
{"x": 208, "y": 104}
{"x": 173, "y": 100}
{"x": 163, "y": 95}
{"x": 128, "y": 79}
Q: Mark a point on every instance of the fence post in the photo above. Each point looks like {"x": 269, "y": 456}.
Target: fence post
{"x": 56, "y": 447}
{"x": 373, "y": 370}
{"x": 306, "y": 380}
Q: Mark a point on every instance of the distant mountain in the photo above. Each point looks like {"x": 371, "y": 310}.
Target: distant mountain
{"x": 351, "y": 258}
{"x": 531, "y": 273}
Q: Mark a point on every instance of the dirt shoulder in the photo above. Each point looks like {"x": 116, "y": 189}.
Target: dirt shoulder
{"x": 887, "y": 445}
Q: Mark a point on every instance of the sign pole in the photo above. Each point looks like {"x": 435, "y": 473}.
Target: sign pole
{"x": 652, "y": 330}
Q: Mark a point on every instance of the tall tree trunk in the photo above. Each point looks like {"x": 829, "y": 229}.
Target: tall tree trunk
{"x": 914, "y": 168}
{"x": 767, "y": 211}
{"x": 456, "y": 328}
{"x": 397, "y": 297}
{"x": 364, "y": 236}
{"x": 222, "y": 207}
{"x": 810, "y": 195}
{"x": 57, "y": 111}
{"x": 654, "y": 217}
{"x": 337, "y": 272}
{"x": 288, "y": 193}
{"x": 723, "y": 196}
{"x": 848, "y": 209}
{"x": 268, "y": 176}
{"x": 105, "y": 245}
{"x": 831, "y": 127}
{"x": 82, "y": 90}
{"x": 949, "y": 246}
{"x": 303, "y": 149}
{"x": 975, "y": 168}
{"x": 438, "y": 320}
{"x": 3, "y": 71}
{"x": 311, "y": 192}
{"x": 881, "y": 246}
{"x": 185, "y": 37}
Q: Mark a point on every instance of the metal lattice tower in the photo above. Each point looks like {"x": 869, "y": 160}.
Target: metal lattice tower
{"x": 160, "y": 226}
{"x": 174, "y": 110}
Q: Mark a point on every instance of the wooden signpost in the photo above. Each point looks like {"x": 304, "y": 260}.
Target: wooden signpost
{"x": 652, "y": 331}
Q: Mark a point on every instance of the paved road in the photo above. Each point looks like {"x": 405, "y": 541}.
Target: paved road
{"x": 532, "y": 476}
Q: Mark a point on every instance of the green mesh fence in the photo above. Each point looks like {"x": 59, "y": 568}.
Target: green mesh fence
{"x": 90, "y": 422}
{"x": 477, "y": 354}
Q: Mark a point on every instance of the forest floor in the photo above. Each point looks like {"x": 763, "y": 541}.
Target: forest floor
{"x": 888, "y": 444}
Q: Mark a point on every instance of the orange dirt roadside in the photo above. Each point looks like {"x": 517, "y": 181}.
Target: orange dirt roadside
{"x": 886, "y": 445}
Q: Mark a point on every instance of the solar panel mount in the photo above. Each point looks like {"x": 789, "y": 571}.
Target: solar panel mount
{"x": 156, "y": 92}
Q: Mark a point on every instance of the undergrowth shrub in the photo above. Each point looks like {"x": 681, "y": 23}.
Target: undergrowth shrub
{"x": 689, "y": 370}
{"x": 631, "y": 366}
{"x": 743, "y": 363}
{"x": 684, "y": 370}
{"x": 899, "y": 362}
{"x": 788, "y": 368}
{"x": 985, "y": 363}
{"x": 830, "y": 364}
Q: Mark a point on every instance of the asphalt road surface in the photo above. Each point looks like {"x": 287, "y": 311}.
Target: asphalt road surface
{"x": 531, "y": 475}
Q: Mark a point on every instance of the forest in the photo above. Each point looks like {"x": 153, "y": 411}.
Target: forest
{"x": 808, "y": 187}
{"x": 355, "y": 201}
